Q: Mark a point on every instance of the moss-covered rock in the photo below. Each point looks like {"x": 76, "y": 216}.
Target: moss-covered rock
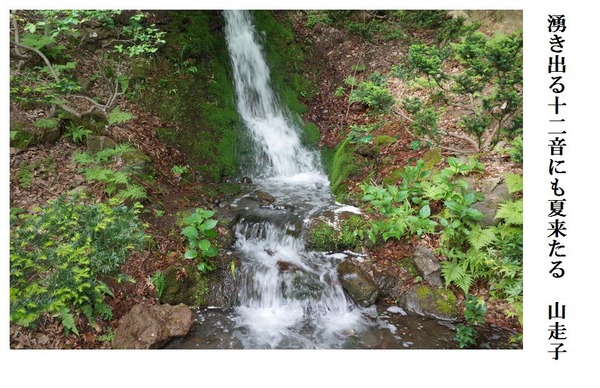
{"x": 344, "y": 164}
{"x": 185, "y": 285}
{"x": 98, "y": 143}
{"x": 331, "y": 232}
{"x": 424, "y": 300}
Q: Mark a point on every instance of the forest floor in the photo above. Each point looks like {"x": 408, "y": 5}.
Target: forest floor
{"x": 55, "y": 173}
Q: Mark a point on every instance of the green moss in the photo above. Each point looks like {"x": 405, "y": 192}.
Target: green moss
{"x": 200, "y": 102}
{"x": 321, "y": 237}
{"x": 383, "y": 140}
{"x": 312, "y": 135}
{"x": 439, "y": 299}
{"x": 347, "y": 234}
{"x": 191, "y": 290}
{"x": 343, "y": 167}
{"x": 168, "y": 135}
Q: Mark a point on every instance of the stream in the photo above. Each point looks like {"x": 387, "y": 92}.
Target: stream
{"x": 289, "y": 297}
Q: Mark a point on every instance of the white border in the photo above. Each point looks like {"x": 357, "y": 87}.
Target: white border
{"x": 451, "y": 368}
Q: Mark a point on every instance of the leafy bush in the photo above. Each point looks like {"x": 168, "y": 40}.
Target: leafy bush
{"x": 376, "y": 97}
{"x": 199, "y": 230}
{"x": 59, "y": 256}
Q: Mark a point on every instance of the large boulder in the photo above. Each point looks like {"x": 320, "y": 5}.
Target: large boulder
{"x": 96, "y": 144}
{"x": 357, "y": 283}
{"x": 146, "y": 327}
{"x": 495, "y": 191}
{"x": 426, "y": 301}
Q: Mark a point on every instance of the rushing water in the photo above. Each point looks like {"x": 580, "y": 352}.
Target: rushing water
{"x": 290, "y": 297}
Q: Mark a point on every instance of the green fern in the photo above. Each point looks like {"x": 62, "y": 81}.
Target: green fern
{"x": 514, "y": 182}
{"x": 511, "y": 212}
{"x": 118, "y": 117}
{"x": 454, "y": 273}
{"x": 479, "y": 238}
{"x": 68, "y": 321}
{"x": 132, "y": 191}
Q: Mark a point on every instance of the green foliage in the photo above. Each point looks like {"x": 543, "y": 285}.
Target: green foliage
{"x": 159, "y": 281}
{"x": 116, "y": 183}
{"x": 118, "y": 117}
{"x": 360, "y": 134}
{"x": 474, "y": 314}
{"x": 77, "y": 133}
{"x": 58, "y": 35}
{"x": 515, "y": 151}
{"x": 59, "y": 255}
{"x": 488, "y": 86}
{"x": 25, "y": 175}
{"x": 46, "y": 123}
{"x": 339, "y": 92}
{"x": 180, "y": 170}
{"x": 317, "y": 17}
{"x": 199, "y": 230}
{"x": 373, "y": 94}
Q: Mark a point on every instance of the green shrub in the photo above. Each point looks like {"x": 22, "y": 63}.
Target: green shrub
{"x": 59, "y": 256}
{"x": 376, "y": 97}
{"x": 199, "y": 230}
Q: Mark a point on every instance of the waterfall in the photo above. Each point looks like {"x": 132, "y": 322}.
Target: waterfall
{"x": 288, "y": 295}
{"x": 278, "y": 148}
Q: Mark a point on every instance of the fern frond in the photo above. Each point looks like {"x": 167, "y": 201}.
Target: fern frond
{"x": 479, "y": 237}
{"x": 135, "y": 192}
{"x": 454, "y": 273}
{"x": 511, "y": 212}
{"x": 514, "y": 182}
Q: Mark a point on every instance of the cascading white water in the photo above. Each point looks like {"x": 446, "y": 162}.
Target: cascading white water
{"x": 289, "y": 297}
{"x": 280, "y": 152}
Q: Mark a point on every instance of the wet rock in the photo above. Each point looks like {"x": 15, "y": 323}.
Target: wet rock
{"x": 302, "y": 285}
{"x": 423, "y": 300}
{"x": 146, "y": 327}
{"x": 428, "y": 265}
{"x": 359, "y": 286}
{"x": 264, "y": 198}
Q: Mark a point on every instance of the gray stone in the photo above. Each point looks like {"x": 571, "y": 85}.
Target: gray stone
{"x": 428, "y": 265}
{"x": 359, "y": 286}
{"x": 99, "y": 143}
{"x": 495, "y": 192}
{"x": 146, "y": 327}
{"x": 426, "y": 301}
